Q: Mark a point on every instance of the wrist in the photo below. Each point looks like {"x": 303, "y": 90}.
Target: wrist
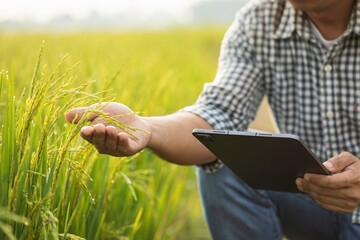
{"x": 154, "y": 140}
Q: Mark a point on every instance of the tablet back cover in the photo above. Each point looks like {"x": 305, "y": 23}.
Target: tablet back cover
{"x": 263, "y": 162}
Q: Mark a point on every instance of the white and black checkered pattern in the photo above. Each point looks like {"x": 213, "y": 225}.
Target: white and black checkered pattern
{"x": 314, "y": 92}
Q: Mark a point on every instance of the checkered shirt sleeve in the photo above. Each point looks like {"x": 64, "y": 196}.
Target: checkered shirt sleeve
{"x": 231, "y": 101}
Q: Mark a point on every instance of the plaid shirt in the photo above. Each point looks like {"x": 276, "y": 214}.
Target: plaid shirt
{"x": 313, "y": 92}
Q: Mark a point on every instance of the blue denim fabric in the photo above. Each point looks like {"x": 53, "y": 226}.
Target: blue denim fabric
{"x": 233, "y": 210}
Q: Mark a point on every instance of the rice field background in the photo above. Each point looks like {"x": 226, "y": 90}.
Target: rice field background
{"x": 54, "y": 185}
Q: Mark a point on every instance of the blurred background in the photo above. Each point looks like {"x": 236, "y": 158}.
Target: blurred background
{"x": 67, "y": 15}
{"x": 154, "y": 56}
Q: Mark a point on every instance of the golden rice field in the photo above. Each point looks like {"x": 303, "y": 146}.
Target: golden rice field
{"x": 55, "y": 186}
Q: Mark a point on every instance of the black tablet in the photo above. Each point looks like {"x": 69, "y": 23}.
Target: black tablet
{"x": 262, "y": 160}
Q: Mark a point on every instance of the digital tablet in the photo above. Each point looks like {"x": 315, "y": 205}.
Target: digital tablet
{"x": 262, "y": 160}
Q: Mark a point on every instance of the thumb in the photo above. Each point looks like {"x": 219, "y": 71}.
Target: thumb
{"x": 78, "y": 113}
{"x": 340, "y": 162}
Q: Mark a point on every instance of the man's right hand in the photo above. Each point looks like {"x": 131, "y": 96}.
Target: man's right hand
{"x": 108, "y": 139}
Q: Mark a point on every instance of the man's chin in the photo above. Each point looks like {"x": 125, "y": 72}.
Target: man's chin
{"x": 308, "y": 5}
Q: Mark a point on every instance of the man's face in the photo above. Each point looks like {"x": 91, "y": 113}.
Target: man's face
{"x": 316, "y": 5}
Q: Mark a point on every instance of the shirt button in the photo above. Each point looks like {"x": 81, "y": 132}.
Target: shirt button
{"x": 330, "y": 114}
{"x": 328, "y": 68}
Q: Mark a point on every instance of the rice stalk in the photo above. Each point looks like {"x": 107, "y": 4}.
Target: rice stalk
{"x": 37, "y": 66}
{"x": 70, "y": 236}
{"x": 53, "y": 83}
{"x": 1, "y": 80}
{"x": 109, "y": 231}
{"x": 33, "y": 102}
{"x": 8, "y": 216}
{"x": 9, "y": 149}
{"x": 35, "y": 160}
{"x": 137, "y": 223}
{"x": 39, "y": 89}
{"x": 65, "y": 145}
{"x": 113, "y": 121}
{"x": 49, "y": 223}
{"x": 34, "y": 212}
{"x": 80, "y": 173}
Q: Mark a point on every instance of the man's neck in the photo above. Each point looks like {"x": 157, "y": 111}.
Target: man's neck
{"x": 333, "y": 20}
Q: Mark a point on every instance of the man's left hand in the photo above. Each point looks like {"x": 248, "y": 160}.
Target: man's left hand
{"x": 339, "y": 192}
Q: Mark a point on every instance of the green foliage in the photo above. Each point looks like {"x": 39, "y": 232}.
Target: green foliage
{"x": 55, "y": 186}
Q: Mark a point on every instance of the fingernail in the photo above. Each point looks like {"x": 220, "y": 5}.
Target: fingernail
{"x": 328, "y": 165}
{"x": 85, "y": 130}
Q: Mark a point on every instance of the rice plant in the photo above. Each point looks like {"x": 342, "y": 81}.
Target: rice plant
{"x": 45, "y": 167}
{"x": 141, "y": 197}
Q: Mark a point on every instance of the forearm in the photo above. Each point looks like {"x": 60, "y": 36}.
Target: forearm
{"x": 172, "y": 140}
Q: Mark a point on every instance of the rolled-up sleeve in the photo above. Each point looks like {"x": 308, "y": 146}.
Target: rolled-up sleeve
{"x": 231, "y": 101}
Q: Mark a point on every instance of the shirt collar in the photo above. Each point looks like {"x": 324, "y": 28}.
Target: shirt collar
{"x": 354, "y": 25}
{"x": 293, "y": 20}
{"x": 286, "y": 24}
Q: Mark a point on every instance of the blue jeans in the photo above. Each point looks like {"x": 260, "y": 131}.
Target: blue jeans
{"x": 233, "y": 211}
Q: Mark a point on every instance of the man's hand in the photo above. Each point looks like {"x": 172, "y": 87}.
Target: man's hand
{"x": 109, "y": 139}
{"x": 339, "y": 192}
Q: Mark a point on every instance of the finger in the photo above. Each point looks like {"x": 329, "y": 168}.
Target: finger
{"x": 324, "y": 180}
{"x": 96, "y": 120}
{"x": 98, "y": 138}
{"x": 86, "y": 133}
{"x": 338, "y": 204}
{"x": 111, "y": 140}
{"x": 311, "y": 188}
{"x": 123, "y": 146}
{"x": 75, "y": 114}
{"x": 333, "y": 201}
{"x": 340, "y": 208}
{"x": 339, "y": 180}
{"x": 340, "y": 162}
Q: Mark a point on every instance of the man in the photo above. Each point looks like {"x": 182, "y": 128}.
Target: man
{"x": 305, "y": 56}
